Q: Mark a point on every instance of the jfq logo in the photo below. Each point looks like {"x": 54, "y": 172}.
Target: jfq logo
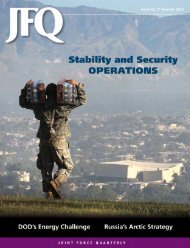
{"x": 38, "y": 22}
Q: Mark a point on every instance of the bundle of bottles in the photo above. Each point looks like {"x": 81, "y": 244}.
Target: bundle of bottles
{"x": 36, "y": 92}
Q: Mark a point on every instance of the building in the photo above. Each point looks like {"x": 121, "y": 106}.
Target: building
{"x": 21, "y": 176}
{"x": 144, "y": 171}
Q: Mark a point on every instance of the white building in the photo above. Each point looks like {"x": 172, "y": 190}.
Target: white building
{"x": 148, "y": 171}
{"x": 22, "y": 176}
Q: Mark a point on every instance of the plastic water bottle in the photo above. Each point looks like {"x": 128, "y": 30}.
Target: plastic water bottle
{"x": 29, "y": 93}
{"x": 35, "y": 93}
{"x": 41, "y": 91}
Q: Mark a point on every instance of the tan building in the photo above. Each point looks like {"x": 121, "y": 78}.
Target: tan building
{"x": 145, "y": 170}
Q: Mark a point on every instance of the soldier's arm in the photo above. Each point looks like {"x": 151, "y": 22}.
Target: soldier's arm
{"x": 24, "y": 104}
{"x": 81, "y": 94}
{"x": 23, "y": 98}
{"x": 37, "y": 114}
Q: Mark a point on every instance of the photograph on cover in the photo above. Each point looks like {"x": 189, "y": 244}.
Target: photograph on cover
{"x": 95, "y": 118}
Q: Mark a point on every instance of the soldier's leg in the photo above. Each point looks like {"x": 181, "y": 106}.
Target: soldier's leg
{"x": 63, "y": 159}
{"x": 47, "y": 163}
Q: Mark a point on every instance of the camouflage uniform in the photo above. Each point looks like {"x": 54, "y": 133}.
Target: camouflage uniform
{"x": 53, "y": 134}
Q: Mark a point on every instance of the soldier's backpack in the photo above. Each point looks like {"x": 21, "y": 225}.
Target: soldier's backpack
{"x": 66, "y": 93}
{"x": 33, "y": 93}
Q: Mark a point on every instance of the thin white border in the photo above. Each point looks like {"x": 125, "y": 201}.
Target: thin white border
{"x": 183, "y": 14}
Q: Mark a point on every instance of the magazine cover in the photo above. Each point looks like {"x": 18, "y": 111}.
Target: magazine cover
{"x": 94, "y": 123}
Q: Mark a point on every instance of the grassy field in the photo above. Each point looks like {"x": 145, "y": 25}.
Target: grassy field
{"x": 28, "y": 206}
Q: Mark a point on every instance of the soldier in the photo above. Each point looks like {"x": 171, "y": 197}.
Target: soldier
{"x": 53, "y": 134}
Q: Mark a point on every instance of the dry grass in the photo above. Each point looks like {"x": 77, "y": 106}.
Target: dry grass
{"x": 28, "y": 206}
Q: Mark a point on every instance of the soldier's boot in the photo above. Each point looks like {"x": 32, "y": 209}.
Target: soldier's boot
{"x": 55, "y": 190}
{"x": 60, "y": 177}
{"x": 49, "y": 196}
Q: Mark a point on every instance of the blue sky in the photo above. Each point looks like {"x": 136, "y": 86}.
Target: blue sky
{"x": 123, "y": 5}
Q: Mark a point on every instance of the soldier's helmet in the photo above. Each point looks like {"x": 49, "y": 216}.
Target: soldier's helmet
{"x": 51, "y": 90}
